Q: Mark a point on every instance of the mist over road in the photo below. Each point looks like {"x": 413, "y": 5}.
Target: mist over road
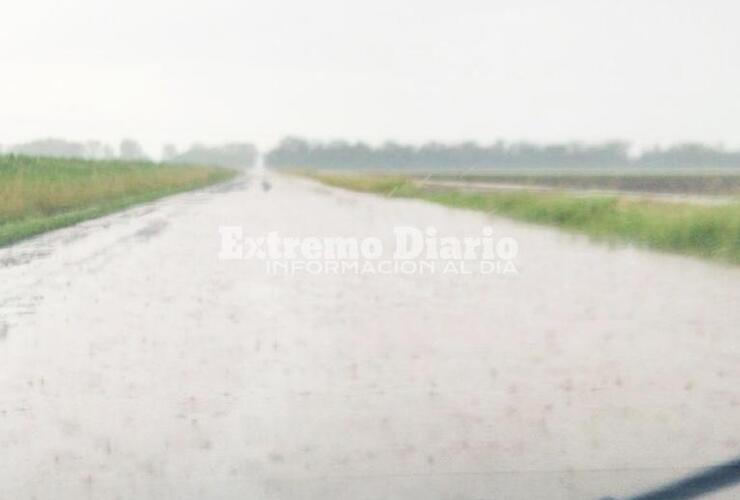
{"x": 137, "y": 364}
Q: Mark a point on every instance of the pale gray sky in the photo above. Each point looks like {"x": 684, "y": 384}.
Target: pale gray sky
{"x": 185, "y": 70}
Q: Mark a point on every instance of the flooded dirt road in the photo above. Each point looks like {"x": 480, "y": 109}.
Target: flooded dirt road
{"x": 137, "y": 364}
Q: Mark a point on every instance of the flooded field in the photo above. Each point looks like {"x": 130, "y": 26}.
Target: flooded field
{"x": 710, "y": 182}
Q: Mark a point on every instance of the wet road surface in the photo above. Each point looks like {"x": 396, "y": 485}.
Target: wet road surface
{"x": 137, "y": 364}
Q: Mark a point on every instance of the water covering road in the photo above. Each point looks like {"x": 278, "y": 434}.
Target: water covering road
{"x": 137, "y": 364}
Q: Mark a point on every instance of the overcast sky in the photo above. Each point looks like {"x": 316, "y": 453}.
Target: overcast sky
{"x": 218, "y": 70}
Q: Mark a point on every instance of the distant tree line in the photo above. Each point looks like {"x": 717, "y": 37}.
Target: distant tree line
{"x": 129, "y": 149}
{"x": 227, "y": 155}
{"x": 235, "y": 155}
{"x": 297, "y": 152}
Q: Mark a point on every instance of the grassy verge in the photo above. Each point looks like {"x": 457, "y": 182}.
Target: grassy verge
{"x": 40, "y": 194}
{"x": 705, "y": 231}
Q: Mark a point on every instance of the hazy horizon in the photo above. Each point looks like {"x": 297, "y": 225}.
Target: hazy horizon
{"x": 227, "y": 71}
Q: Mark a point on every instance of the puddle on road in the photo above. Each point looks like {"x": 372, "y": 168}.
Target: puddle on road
{"x": 229, "y": 187}
{"x": 24, "y": 256}
{"x": 151, "y": 230}
{"x": 15, "y": 308}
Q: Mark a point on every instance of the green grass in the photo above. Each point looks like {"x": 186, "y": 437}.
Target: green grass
{"x": 41, "y": 194}
{"x": 706, "y": 231}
